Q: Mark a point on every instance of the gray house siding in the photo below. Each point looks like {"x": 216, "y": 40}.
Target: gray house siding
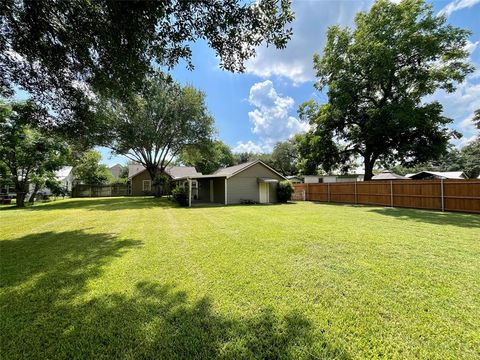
{"x": 244, "y": 185}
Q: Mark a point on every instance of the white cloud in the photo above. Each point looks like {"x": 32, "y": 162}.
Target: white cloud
{"x": 461, "y": 105}
{"x": 249, "y": 147}
{"x": 457, "y": 5}
{"x": 309, "y": 28}
{"x": 271, "y": 119}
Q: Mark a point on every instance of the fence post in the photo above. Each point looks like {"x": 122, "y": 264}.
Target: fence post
{"x": 328, "y": 191}
{"x": 441, "y": 194}
{"x": 391, "y": 193}
{"x": 356, "y": 199}
{"x": 308, "y": 192}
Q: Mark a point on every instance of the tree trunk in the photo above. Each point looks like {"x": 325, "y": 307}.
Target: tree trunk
{"x": 369, "y": 163}
{"x": 20, "y": 199}
{"x": 34, "y": 193}
{"x": 21, "y": 193}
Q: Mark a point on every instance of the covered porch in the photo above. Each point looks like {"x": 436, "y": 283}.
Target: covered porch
{"x": 206, "y": 189}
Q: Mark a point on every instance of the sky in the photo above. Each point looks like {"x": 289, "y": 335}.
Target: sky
{"x": 258, "y": 108}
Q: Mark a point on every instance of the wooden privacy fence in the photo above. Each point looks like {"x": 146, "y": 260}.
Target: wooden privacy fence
{"x": 99, "y": 190}
{"x": 444, "y": 195}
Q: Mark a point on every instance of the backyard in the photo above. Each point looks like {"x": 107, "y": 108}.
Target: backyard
{"x": 132, "y": 278}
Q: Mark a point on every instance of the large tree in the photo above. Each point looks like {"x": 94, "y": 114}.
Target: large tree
{"x": 89, "y": 170}
{"x": 62, "y": 52}
{"x": 159, "y": 123}
{"x": 208, "y": 157}
{"x": 285, "y": 157}
{"x": 378, "y": 76}
{"x": 29, "y": 154}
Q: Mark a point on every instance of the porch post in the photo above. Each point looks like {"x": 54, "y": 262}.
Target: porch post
{"x": 189, "y": 192}
{"x": 226, "y": 192}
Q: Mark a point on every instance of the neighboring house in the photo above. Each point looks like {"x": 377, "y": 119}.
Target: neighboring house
{"x": 388, "y": 175}
{"x": 252, "y": 181}
{"x": 64, "y": 176}
{"x": 437, "y": 175}
{"x": 295, "y": 179}
{"x": 115, "y": 170}
{"x": 315, "y": 179}
{"x": 140, "y": 182}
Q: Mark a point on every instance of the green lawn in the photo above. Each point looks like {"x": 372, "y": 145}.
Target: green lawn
{"x": 130, "y": 278}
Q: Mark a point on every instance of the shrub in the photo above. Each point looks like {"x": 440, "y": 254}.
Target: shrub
{"x": 180, "y": 195}
{"x": 284, "y": 191}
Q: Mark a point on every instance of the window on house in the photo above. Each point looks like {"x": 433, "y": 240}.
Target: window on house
{"x": 147, "y": 185}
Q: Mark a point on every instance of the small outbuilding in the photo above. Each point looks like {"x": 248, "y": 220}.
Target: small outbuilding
{"x": 251, "y": 182}
{"x": 438, "y": 175}
{"x": 388, "y": 175}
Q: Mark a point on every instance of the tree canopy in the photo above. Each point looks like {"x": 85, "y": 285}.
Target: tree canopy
{"x": 377, "y": 77}
{"x": 88, "y": 169}
{"x": 208, "y": 157}
{"x": 64, "y": 52}
{"x": 160, "y": 122}
{"x": 27, "y": 153}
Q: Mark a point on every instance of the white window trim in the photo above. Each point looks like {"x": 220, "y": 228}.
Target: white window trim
{"x": 146, "y": 182}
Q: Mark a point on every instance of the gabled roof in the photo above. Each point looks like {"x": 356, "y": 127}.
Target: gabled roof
{"x": 458, "y": 175}
{"x": 388, "y": 175}
{"x": 233, "y": 170}
{"x": 174, "y": 171}
{"x": 63, "y": 172}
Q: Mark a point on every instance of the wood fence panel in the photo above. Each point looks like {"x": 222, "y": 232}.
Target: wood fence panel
{"x": 374, "y": 193}
{"x": 459, "y": 197}
{"x": 317, "y": 192}
{"x": 450, "y": 195}
{"x": 82, "y": 190}
{"x": 418, "y": 194}
{"x": 342, "y": 192}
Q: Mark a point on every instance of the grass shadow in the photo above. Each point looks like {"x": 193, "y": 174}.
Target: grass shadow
{"x": 431, "y": 217}
{"x": 47, "y": 311}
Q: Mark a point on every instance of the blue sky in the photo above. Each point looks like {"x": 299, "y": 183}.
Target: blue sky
{"x": 255, "y": 109}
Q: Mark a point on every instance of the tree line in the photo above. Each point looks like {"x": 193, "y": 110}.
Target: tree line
{"x": 92, "y": 71}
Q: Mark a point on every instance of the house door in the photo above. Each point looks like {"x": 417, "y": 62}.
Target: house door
{"x": 264, "y": 193}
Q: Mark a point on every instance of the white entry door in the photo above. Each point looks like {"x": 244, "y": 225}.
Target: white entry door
{"x": 264, "y": 193}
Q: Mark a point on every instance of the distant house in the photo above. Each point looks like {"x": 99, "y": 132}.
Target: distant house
{"x": 115, "y": 170}
{"x": 252, "y": 181}
{"x": 140, "y": 182}
{"x": 65, "y": 177}
{"x": 295, "y": 179}
{"x": 437, "y": 175}
{"x": 315, "y": 179}
{"x": 388, "y": 175}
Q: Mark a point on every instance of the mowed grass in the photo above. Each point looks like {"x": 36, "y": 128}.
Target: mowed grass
{"x": 138, "y": 278}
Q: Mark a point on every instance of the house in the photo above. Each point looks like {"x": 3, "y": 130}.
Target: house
{"x": 388, "y": 175}
{"x": 140, "y": 182}
{"x": 115, "y": 170}
{"x": 315, "y": 179}
{"x": 437, "y": 175}
{"x": 64, "y": 176}
{"x": 295, "y": 179}
{"x": 253, "y": 181}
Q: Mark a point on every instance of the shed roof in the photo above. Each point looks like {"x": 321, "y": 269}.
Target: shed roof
{"x": 388, "y": 175}
{"x": 458, "y": 175}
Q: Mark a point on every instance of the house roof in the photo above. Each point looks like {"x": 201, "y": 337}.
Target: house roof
{"x": 174, "y": 171}
{"x": 388, "y": 175}
{"x": 230, "y": 171}
{"x": 63, "y": 172}
{"x": 233, "y": 170}
{"x": 459, "y": 175}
